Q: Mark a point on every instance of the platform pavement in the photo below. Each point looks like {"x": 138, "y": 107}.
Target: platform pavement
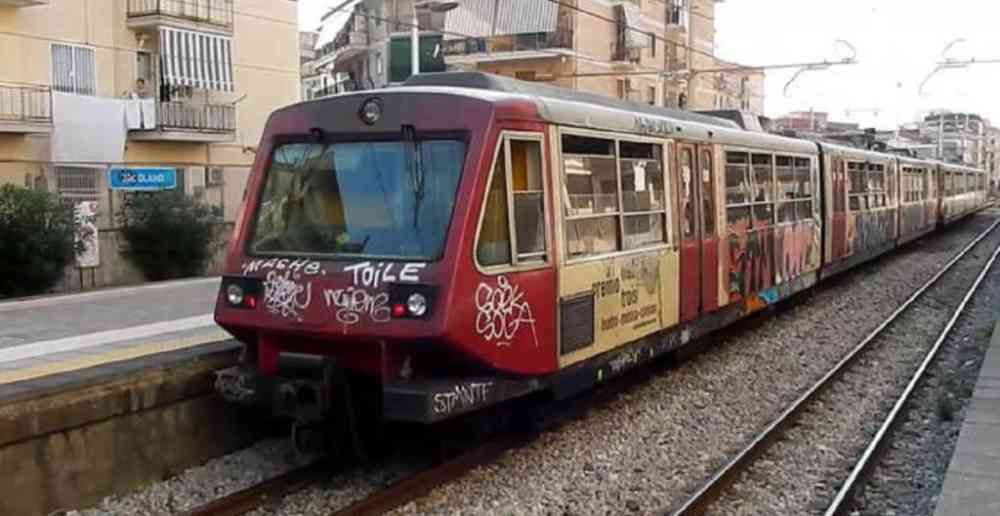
{"x": 972, "y": 484}
{"x": 49, "y": 335}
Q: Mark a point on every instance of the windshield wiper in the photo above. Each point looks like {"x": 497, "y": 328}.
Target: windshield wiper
{"x": 416, "y": 169}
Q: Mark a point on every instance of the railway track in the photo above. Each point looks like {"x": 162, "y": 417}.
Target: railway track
{"x": 714, "y": 495}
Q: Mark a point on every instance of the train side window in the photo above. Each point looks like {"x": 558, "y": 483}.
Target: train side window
{"x": 494, "y": 232}
{"x": 763, "y": 182}
{"x": 643, "y": 199}
{"x": 590, "y": 186}
{"x": 707, "y": 193}
{"x": 787, "y": 188}
{"x": 858, "y": 177}
{"x": 803, "y": 176}
{"x": 738, "y": 191}
{"x": 737, "y": 178}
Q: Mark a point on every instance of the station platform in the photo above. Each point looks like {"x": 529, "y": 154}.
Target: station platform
{"x": 973, "y": 478}
{"x": 64, "y": 335}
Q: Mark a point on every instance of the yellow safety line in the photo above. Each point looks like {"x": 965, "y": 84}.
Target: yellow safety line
{"x": 117, "y": 355}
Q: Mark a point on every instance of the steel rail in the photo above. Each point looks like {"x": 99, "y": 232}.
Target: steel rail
{"x": 423, "y": 482}
{"x": 863, "y": 465}
{"x": 268, "y": 491}
{"x": 710, "y": 491}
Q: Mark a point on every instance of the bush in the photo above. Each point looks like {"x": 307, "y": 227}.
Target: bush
{"x": 36, "y": 240}
{"x": 169, "y": 235}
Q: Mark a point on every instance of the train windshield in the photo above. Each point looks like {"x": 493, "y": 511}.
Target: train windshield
{"x": 363, "y": 199}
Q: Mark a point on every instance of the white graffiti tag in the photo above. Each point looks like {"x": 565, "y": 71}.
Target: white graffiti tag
{"x": 501, "y": 312}
{"x": 284, "y": 296}
{"x": 352, "y": 302}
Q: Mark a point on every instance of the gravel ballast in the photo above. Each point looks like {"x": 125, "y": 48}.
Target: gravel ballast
{"x": 660, "y": 441}
{"x": 801, "y": 473}
{"x": 642, "y": 452}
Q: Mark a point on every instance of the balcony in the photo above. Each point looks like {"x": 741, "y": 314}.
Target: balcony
{"x": 347, "y": 44}
{"x": 509, "y": 47}
{"x": 622, "y": 54}
{"x": 190, "y": 122}
{"x": 211, "y": 15}
{"x": 22, "y": 3}
{"x": 25, "y": 109}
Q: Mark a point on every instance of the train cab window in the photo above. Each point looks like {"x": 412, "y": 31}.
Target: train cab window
{"x": 515, "y": 206}
{"x": 643, "y": 199}
{"x": 529, "y": 198}
{"x": 591, "y": 193}
{"x": 494, "y": 233}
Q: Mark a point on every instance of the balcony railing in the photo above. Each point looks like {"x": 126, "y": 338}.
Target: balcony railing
{"x": 511, "y": 43}
{"x": 622, "y": 53}
{"x": 25, "y": 104}
{"x": 183, "y": 116}
{"x": 215, "y": 12}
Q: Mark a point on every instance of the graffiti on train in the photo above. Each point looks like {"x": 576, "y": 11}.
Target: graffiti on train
{"x": 502, "y": 312}
{"x": 750, "y": 261}
{"x": 873, "y": 230}
{"x": 286, "y": 297}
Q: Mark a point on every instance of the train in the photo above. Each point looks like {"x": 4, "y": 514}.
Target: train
{"x": 465, "y": 240}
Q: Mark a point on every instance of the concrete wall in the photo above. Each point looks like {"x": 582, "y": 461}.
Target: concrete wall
{"x": 70, "y": 447}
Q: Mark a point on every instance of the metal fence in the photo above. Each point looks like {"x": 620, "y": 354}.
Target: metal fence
{"x": 216, "y": 12}
{"x": 197, "y": 117}
{"x": 23, "y": 103}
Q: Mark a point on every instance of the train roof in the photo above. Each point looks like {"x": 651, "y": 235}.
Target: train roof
{"x": 574, "y": 108}
{"x": 499, "y": 83}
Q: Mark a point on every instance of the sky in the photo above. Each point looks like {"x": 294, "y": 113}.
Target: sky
{"x": 897, "y": 44}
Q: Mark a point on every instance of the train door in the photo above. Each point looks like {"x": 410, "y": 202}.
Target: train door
{"x": 699, "y": 250}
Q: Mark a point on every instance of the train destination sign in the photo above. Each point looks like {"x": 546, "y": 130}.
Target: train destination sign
{"x": 142, "y": 179}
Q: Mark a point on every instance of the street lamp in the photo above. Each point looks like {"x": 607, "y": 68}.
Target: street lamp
{"x": 436, "y": 6}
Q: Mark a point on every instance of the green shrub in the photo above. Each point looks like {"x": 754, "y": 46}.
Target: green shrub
{"x": 169, "y": 235}
{"x": 36, "y": 240}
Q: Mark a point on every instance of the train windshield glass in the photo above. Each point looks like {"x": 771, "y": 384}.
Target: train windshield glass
{"x": 376, "y": 199}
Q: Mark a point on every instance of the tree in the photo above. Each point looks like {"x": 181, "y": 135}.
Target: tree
{"x": 169, "y": 235}
{"x": 36, "y": 240}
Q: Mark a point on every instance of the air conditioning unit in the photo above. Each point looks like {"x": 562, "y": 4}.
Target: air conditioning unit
{"x": 214, "y": 177}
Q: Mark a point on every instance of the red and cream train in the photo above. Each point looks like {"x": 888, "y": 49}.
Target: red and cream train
{"x": 468, "y": 239}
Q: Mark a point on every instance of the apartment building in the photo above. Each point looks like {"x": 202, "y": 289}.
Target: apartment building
{"x": 655, "y": 51}
{"x": 91, "y": 87}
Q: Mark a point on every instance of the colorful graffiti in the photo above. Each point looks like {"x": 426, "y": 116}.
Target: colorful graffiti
{"x": 750, "y": 261}
{"x": 872, "y": 230}
{"x": 797, "y": 250}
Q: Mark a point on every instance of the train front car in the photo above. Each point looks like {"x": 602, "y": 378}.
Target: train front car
{"x": 352, "y": 278}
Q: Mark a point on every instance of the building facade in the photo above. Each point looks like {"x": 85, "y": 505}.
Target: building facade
{"x": 88, "y": 87}
{"x": 655, "y": 51}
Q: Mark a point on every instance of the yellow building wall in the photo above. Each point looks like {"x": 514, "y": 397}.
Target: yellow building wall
{"x": 265, "y": 72}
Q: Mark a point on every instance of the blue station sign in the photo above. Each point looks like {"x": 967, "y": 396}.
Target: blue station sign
{"x": 142, "y": 179}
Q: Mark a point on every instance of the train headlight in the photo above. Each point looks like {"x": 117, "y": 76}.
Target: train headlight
{"x": 371, "y": 111}
{"x": 416, "y": 304}
{"x": 234, "y": 294}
